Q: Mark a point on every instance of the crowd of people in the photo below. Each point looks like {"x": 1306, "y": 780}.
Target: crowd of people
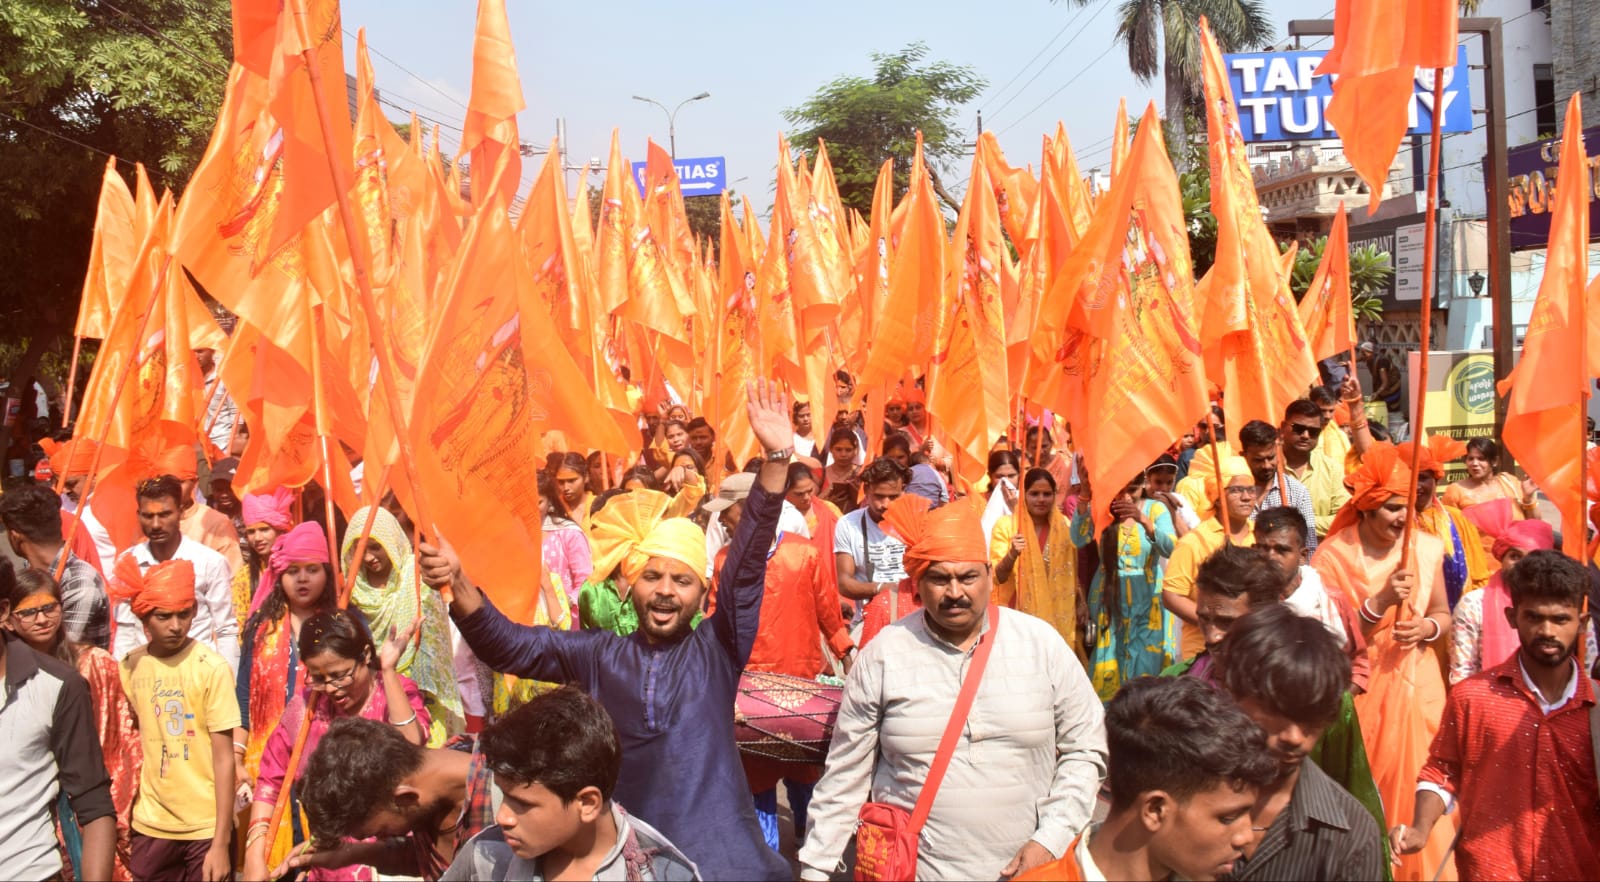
{"x": 1274, "y": 663}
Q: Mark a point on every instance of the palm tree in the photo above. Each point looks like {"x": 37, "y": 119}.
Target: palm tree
{"x": 1163, "y": 36}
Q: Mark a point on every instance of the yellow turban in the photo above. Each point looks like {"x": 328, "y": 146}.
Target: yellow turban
{"x": 1232, "y": 467}
{"x": 632, "y": 528}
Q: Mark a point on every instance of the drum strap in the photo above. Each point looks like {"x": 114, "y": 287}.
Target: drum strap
{"x": 958, "y": 722}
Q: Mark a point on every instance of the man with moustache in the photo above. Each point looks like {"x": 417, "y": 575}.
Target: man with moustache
{"x": 1514, "y": 746}
{"x": 1289, "y": 675}
{"x": 670, "y": 687}
{"x": 1022, "y": 779}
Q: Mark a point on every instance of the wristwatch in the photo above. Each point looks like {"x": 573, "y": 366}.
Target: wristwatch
{"x": 780, "y": 455}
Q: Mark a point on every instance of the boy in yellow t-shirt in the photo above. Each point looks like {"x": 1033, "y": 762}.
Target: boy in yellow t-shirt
{"x": 183, "y": 694}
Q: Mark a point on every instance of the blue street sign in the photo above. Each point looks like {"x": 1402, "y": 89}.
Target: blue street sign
{"x": 697, "y": 176}
{"x": 1280, "y": 99}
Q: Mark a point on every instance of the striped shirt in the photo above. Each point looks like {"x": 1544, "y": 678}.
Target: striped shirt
{"x": 1323, "y": 834}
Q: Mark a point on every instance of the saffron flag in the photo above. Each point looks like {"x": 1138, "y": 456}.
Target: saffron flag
{"x": 1548, "y": 390}
{"x": 1015, "y": 189}
{"x": 1132, "y": 280}
{"x": 1377, "y": 47}
{"x": 903, "y": 333}
{"x": 1249, "y": 322}
{"x": 489, "y": 134}
{"x": 1325, "y": 310}
{"x": 112, "y": 252}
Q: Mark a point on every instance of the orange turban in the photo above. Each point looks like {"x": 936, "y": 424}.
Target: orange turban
{"x": 1436, "y": 451}
{"x": 168, "y": 585}
{"x": 166, "y": 450}
{"x": 1383, "y": 475}
{"x": 952, "y": 532}
{"x": 68, "y": 458}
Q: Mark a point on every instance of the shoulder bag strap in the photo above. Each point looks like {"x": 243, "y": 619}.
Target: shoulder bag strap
{"x": 958, "y": 721}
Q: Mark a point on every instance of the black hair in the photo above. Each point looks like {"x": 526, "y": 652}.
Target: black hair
{"x": 694, "y": 458}
{"x": 701, "y": 422}
{"x": 884, "y": 469}
{"x": 1182, "y": 736}
{"x": 843, "y": 376}
{"x": 627, "y": 375}
{"x": 33, "y": 510}
{"x": 1302, "y": 407}
{"x": 1320, "y": 395}
{"x": 1164, "y": 461}
{"x": 840, "y": 433}
{"x": 276, "y": 606}
{"x": 8, "y": 582}
{"x": 573, "y": 460}
{"x": 1546, "y": 576}
{"x": 552, "y": 462}
{"x": 352, "y": 774}
{"x": 998, "y": 458}
{"x": 563, "y": 740}
{"x": 1259, "y": 433}
{"x": 895, "y": 441}
{"x": 343, "y": 632}
{"x": 1287, "y": 662}
{"x": 794, "y": 408}
{"x": 643, "y": 474}
{"x": 753, "y": 464}
{"x": 1484, "y": 447}
{"x": 161, "y": 487}
{"x": 1038, "y": 474}
{"x": 37, "y": 580}
{"x": 1238, "y": 570}
{"x": 549, "y": 493}
{"x": 670, "y": 423}
{"x": 797, "y": 470}
{"x": 1282, "y": 517}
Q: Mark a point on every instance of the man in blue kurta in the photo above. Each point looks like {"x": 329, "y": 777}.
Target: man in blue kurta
{"x": 669, "y": 687}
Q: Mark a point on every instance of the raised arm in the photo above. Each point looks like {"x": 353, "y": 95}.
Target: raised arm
{"x": 744, "y": 573}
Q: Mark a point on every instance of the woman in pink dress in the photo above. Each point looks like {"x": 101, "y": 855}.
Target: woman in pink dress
{"x": 346, "y": 676}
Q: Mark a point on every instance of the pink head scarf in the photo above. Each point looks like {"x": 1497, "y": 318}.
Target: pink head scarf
{"x": 306, "y": 543}
{"x": 1498, "y": 641}
{"x": 272, "y": 509}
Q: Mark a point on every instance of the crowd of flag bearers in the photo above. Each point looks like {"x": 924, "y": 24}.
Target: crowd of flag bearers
{"x": 543, "y": 543}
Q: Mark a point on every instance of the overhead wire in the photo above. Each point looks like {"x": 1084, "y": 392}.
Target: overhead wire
{"x": 1105, "y": 4}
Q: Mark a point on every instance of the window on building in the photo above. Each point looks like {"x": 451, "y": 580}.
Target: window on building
{"x": 1538, "y": 4}
{"x": 1544, "y": 99}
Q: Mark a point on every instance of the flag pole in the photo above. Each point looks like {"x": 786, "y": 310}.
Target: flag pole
{"x": 105, "y": 423}
{"x": 72, "y": 379}
{"x": 1430, "y": 239}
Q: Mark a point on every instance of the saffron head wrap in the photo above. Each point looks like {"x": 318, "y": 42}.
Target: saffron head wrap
{"x": 273, "y": 509}
{"x": 167, "y": 586}
{"x": 69, "y": 458}
{"x": 632, "y": 528}
{"x": 1381, "y": 476}
{"x": 950, "y": 533}
{"x": 1436, "y": 451}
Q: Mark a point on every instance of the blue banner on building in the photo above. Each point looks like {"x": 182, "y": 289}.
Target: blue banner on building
{"x": 1280, "y": 98}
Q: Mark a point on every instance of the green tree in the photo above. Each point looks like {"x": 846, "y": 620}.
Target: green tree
{"x": 1369, "y": 275}
{"x": 1163, "y": 37}
{"x": 866, "y": 120}
{"x": 142, "y": 81}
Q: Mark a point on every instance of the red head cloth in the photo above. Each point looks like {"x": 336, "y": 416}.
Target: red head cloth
{"x": 950, "y": 533}
{"x": 167, "y": 586}
{"x": 69, "y": 458}
{"x": 1436, "y": 451}
{"x": 1529, "y": 535}
{"x": 306, "y": 543}
{"x": 1383, "y": 475}
{"x": 275, "y": 509}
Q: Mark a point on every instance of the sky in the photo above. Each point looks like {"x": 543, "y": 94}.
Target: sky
{"x": 582, "y": 62}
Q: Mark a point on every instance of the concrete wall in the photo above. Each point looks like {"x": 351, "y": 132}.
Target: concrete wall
{"x": 1575, "y": 29}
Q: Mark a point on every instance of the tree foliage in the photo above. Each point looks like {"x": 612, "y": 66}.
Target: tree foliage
{"x": 867, "y": 120}
{"x": 142, "y": 81}
{"x": 1369, "y": 275}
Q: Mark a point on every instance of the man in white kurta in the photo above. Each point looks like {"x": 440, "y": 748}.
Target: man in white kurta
{"x": 1023, "y": 780}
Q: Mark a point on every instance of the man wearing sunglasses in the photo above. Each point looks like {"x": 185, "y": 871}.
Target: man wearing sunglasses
{"x": 1307, "y": 461}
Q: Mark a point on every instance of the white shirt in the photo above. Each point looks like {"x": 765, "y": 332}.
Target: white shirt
{"x": 216, "y": 624}
{"x": 1086, "y": 864}
{"x": 1311, "y": 601}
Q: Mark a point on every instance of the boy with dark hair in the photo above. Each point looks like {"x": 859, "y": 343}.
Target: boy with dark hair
{"x": 366, "y": 781}
{"x": 1258, "y": 444}
{"x": 555, "y": 760}
{"x": 1232, "y": 581}
{"x": 32, "y": 517}
{"x": 1514, "y": 744}
{"x": 183, "y": 694}
{"x": 1289, "y": 675}
{"x": 1185, "y": 767}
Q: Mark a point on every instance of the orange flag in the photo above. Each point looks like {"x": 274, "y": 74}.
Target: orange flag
{"x": 1548, "y": 390}
{"x": 775, "y": 303}
{"x": 635, "y": 280}
{"x": 112, "y": 252}
{"x": 860, "y": 315}
{"x": 1250, "y": 325}
{"x": 1015, "y": 189}
{"x": 736, "y": 350}
{"x": 903, "y": 333}
{"x": 1119, "y": 140}
{"x": 664, "y": 211}
{"x": 968, "y": 388}
{"x": 1377, "y": 47}
{"x": 820, "y": 269}
{"x": 1325, "y": 310}
{"x": 1132, "y": 279}
{"x": 489, "y": 134}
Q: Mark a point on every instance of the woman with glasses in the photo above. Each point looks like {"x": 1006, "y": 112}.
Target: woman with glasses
{"x": 345, "y": 677}
{"x": 36, "y": 620}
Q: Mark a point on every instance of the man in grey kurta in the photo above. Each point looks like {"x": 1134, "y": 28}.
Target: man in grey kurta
{"x": 1030, "y": 759}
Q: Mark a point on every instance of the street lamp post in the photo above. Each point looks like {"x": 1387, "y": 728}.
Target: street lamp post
{"x": 672, "y": 117}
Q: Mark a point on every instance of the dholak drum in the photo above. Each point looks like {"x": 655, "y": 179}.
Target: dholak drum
{"x": 784, "y": 718}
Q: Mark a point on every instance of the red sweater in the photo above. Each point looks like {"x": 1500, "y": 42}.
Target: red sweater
{"x": 1525, "y": 782}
